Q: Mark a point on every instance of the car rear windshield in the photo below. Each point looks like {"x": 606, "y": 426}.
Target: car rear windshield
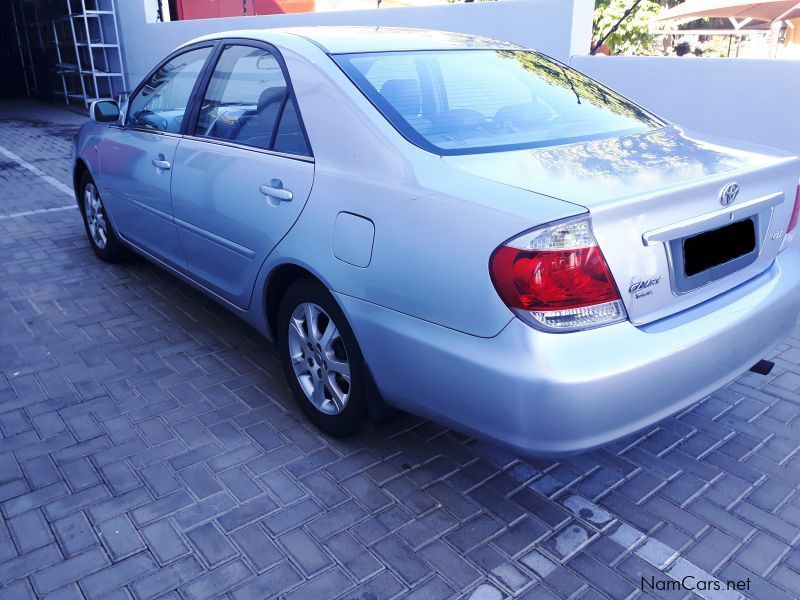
{"x": 473, "y": 101}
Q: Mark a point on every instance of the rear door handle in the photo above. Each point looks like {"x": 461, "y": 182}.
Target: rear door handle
{"x": 275, "y": 190}
{"x": 162, "y": 164}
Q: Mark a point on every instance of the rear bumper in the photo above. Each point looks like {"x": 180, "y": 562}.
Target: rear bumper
{"x": 557, "y": 394}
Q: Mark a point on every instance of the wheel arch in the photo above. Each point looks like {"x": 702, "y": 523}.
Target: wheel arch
{"x": 278, "y": 280}
{"x": 77, "y": 173}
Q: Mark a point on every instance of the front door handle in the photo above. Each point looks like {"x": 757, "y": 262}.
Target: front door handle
{"x": 275, "y": 190}
{"x": 162, "y": 164}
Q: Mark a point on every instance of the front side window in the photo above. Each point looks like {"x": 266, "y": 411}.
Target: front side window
{"x": 248, "y": 102}
{"x": 161, "y": 103}
{"x": 467, "y": 101}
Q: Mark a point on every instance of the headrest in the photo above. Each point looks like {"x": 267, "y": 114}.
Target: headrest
{"x": 270, "y": 95}
{"x": 403, "y": 95}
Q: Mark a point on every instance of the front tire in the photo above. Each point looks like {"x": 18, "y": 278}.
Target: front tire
{"x": 99, "y": 230}
{"x": 321, "y": 359}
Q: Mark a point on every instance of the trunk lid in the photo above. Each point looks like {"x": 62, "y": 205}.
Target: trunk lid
{"x": 646, "y": 194}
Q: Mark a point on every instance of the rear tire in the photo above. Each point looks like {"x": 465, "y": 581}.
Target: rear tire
{"x": 321, "y": 359}
{"x": 99, "y": 229}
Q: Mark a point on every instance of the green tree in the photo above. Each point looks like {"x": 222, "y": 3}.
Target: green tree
{"x": 634, "y": 34}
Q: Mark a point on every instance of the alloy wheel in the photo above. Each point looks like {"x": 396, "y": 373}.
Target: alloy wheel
{"x": 95, "y": 216}
{"x": 319, "y": 358}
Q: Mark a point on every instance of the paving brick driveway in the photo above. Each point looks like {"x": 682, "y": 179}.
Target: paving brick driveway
{"x": 150, "y": 449}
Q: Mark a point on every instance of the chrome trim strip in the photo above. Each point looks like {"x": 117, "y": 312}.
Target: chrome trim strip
{"x": 228, "y": 143}
{"x": 143, "y": 130}
{"x": 220, "y": 241}
{"x": 198, "y": 138}
{"x": 707, "y": 221}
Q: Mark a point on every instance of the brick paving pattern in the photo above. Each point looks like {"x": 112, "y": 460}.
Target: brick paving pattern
{"x": 151, "y": 449}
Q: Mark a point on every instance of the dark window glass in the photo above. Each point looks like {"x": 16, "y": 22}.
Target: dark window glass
{"x": 244, "y": 98}
{"x": 161, "y": 102}
{"x": 463, "y": 101}
{"x": 290, "y": 137}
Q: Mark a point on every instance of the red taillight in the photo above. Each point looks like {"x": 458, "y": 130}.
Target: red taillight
{"x": 795, "y": 212}
{"x": 556, "y": 277}
{"x": 552, "y": 279}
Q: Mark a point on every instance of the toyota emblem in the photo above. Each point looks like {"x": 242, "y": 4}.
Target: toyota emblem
{"x": 727, "y": 195}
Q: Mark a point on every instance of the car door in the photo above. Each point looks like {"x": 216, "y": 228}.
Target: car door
{"x": 243, "y": 174}
{"x": 136, "y": 156}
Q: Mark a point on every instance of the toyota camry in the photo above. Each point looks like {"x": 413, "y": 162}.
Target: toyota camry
{"x": 454, "y": 226}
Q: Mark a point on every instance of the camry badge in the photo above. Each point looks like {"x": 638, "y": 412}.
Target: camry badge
{"x": 637, "y": 285}
{"x": 727, "y": 195}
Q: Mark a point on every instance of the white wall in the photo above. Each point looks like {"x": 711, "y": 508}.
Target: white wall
{"x": 560, "y": 28}
{"x": 754, "y": 100}
{"x": 749, "y": 99}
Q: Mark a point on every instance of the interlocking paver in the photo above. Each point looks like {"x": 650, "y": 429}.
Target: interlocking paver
{"x": 30, "y": 530}
{"x": 761, "y": 553}
{"x": 450, "y": 564}
{"x": 117, "y": 575}
{"x": 120, "y": 477}
{"x": 150, "y": 448}
{"x": 167, "y": 578}
{"x": 119, "y": 504}
{"x": 119, "y": 537}
{"x": 246, "y": 513}
{"x": 216, "y": 581}
{"x": 29, "y": 563}
{"x": 401, "y": 559}
{"x": 164, "y": 541}
{"x": 211, "y": 544}
{"x": 278, "y": 579}
{"x": 520, "y": 536}
{"x": 474, "y": 532}
{"x": 243, "y": 487}
{"x": 70, "y": 570}
{"x": 328, "y": 584}
{"x": 74, "y": 533}
{"x": 161, "y": 507}
{"x": 18, "y": 590}
{"x": 34, "y": 499}
{"x": 712, "y": 550}
{"x": 76, "y": 501}
{"x": 304, "y": 551}
{"x": 204, "y": 510}
{"x": 292, "y": 516}
{"x": 436, "y": 588}
{"x": 258, "y": 547}
{"x": 160, "y": 478}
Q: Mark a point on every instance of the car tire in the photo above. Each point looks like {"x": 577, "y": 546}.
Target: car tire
{"x": 315, "y": 359}
{"x": 99, "y": 229}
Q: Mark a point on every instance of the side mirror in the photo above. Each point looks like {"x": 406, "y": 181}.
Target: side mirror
{"x": 104, "y": 111}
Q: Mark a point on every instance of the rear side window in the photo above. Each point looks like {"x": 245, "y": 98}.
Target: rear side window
{"x": 467, "y": 101}
{"x": 248, "y": 102}
{"x": 289, "y": 137}
{"x": 161, "y": 102}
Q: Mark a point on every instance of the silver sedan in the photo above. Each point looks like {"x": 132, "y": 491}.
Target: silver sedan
{"x": 453, "y": 226}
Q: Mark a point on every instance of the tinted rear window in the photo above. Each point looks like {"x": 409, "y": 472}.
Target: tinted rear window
{"x": 467, "y": 101}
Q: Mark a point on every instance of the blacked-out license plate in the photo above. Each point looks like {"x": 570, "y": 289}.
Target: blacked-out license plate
{"x": 718, "y": 246}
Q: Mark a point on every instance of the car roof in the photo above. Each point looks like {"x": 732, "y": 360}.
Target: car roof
{"x": 343, "y": 40}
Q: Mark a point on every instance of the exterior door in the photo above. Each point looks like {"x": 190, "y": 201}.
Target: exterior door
{"x": 242, "y": 176}
{"x": 136, "y": 158}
